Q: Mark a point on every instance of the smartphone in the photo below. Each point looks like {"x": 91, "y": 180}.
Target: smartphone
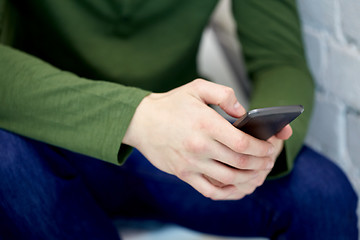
{"x": 263, "y": 123}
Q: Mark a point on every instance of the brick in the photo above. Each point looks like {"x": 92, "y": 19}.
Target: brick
{"x": 350, "y": 10}
{"x": 319, "y": 14}
{"x": 353, "y": 149}
{"x": 325, "y": 133}
{"x": 342, "y": 73}
{"x": 315, "y": 49}
{"x": 353, "y": 137}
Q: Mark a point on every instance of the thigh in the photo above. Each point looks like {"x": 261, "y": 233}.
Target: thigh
{"x": 315, "y": 201}
{"x": 309, "y": 203}
{"x": 43, "y": 197}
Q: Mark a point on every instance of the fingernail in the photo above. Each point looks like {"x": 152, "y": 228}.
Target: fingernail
{"x": 237, "y": 105}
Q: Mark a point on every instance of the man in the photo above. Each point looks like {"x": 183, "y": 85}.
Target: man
{"x": 85, "y": 81}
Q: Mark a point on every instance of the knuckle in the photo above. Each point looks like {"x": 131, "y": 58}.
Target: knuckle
{"x": 268, "y": 163}
{"x": 242, "y": 144}
{"x": 228, "y": 92}
{"x": 250, "y": 191}
{"x": 242, "y": 161}
{"x": 259, "y": 180}
{"x": 266, "y": 149}
{"x": 183, "y": 174}
{"x": 229, "y": 178}
{"x": 195, "y": 145}
{"x": 197, "y": 82}
{"x": 208, "y": 193}
{"x": 203, "y": 124}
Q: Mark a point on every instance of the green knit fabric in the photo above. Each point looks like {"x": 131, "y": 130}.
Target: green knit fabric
{"x": 76, "y": 70}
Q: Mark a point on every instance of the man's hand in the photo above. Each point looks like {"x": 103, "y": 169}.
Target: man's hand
{"x": 180, "y": 134}
{"x": 278, "y": 143}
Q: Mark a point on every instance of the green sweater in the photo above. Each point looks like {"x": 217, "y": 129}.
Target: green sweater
{"x": 73, "y": 72}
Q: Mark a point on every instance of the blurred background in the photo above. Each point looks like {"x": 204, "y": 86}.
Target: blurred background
{"x": 331, "y": 33}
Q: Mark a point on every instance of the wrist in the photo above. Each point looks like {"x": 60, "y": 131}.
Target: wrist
{"x": 131, "y": 134}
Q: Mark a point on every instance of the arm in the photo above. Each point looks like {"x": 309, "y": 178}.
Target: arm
{"x": 177, "y": 131}
{"x": 44, "y": 103}
{"x": 271, "y": 38}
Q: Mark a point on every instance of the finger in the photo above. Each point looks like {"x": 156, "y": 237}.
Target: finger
{"x": 278, "y": 146}
{"x": 212, "y": 93}
{"x": 236, "y": 160}
{"x": 260, "y": 179}
{"x": 225, "y": 174}
{"x": 285, "y": 133}
{"x": 238, "y": 141}
{"x": 203, "y": 186}
{"x": 243, "y": 190}
{"x": 222, "y": 130}
{"x": 249, "y": 187}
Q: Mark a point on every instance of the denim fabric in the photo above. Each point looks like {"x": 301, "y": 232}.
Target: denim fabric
{"x": 51, "y": 193}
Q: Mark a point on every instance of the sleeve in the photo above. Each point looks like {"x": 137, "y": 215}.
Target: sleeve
{"x": 270, "y": 35}
{"x": 42, "y": 102}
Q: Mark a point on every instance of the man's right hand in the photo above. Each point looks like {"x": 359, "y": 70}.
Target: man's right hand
{"x": 180, "y": 134}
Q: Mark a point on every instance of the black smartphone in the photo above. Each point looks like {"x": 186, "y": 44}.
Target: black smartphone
{"x": 263, "y": 123}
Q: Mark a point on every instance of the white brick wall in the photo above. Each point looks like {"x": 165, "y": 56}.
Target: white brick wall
{"x": 311, "y": 10}
{"x": 331, "y": 30}
{"x": 351, "y": 9}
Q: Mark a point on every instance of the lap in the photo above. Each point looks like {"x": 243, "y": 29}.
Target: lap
{"x": 315, "y": 196}
{"x": 139, "y": 190}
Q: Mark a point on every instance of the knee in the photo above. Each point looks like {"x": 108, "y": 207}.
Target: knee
{"x": 321, "y": 202}
{"x": 322, "y": 185}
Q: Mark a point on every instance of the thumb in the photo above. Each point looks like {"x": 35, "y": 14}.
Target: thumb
{"x": 216, "y": 94}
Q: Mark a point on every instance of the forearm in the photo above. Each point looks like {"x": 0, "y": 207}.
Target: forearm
{"x": 44, "y": 103}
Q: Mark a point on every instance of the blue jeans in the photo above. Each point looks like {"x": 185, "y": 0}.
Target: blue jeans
{"x": 51, "y": 193}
